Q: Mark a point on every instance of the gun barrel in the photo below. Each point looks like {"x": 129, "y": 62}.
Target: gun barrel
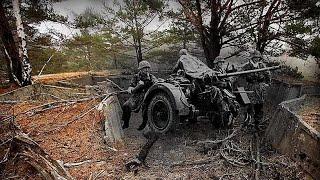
{"x": 248, "y": 71}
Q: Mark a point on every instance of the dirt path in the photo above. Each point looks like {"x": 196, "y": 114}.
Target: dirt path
{"x": 176, "y": 156}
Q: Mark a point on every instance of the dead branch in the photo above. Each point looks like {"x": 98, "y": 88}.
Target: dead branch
{"x": 30, "y": 152}
{"x": 68, "y": 165}
{"x": 98, "y": 175}
{"x": 226, "y": 175}
{"x": 92, "y": 107}
{"x": 79, "y": 116}
{"x": 209, "y": 144}
{"x": 230, "y": 147}
{"x": 219, "y": 141}
{"x": 263, "y": 163}
{"x": 54, "y": 104}
{"x": 31, "y": 113}
{"x": 196, "y": 162}
{"x": 47, "y": 94}
{"x": 116, "y": 85}
{"x": 232, "y": 161}
{"x": 5, "y": 158}
{"x": 9, "y": 102}
{"x": 111, "y": 148}
{"x": 5, "y": 142}
{"x": 45, "y": 64}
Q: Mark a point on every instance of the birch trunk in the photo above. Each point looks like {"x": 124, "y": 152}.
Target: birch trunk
{"x": 22, "y": 46}
{"x": 9, "y": 48}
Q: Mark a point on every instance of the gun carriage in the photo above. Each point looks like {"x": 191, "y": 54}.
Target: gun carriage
{"x": 193, "y": 90}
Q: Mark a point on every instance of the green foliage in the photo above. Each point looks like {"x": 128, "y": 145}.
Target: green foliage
{"x": 82, "y": 53}
{"x": 93, "y": 52}
{"x": 154, "y": 5}
{"x": 39, "y": 52}
{"x": 315, "y": 48}
{"x": 306, "y": 8}
{"x": 305, "y": 31}
{"x": 87, "y": 52}
{"x": 167, "y": 56}
{"x": 128, "y": 21}
{"x": 298, "y": 28}
{"x": 180, "y": 30}
{"x": 38, "y": 10}
{"x": 89, "y": 19}
{"x": 291, "y": 72}
{"x": 299, "y": 48}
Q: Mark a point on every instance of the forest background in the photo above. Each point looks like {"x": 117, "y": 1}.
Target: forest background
{"x": 95, "y": 35}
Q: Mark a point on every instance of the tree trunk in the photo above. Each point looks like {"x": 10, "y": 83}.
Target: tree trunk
{"x": 137, "y": 48}
{"x": 211, "y": 51}
{"x": 138, "y": 36}
{"x": 17, "y": 56}
{"x": 210, "y": 40}
{"x": 89, "y": 56}
{"x": 115, "y": 61}
{"x": 211, "y": 47}
{"x": 9, "y": 48}
{"x": 9, "y": 69}
{"x": 184, "y": 38}
{"x": 22, "y": 44}
{"x": 139, "y": 55}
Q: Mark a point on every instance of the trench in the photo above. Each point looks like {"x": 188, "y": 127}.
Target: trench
{"x": 107, "y": 160}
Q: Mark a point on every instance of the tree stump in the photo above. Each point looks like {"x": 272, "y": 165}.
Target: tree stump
{"x": 112, "y": 112}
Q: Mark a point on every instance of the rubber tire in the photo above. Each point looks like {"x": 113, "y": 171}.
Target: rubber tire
{"x": 173, "y": 116}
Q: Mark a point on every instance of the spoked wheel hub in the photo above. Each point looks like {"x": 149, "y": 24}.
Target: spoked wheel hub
{"x": 160, "y": 114}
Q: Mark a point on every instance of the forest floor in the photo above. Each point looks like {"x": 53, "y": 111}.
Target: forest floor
{"x": 174, "y": 156}
{"x": 76, "y": 139}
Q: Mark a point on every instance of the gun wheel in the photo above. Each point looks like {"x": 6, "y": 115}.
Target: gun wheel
{"x": 161, "y": 113}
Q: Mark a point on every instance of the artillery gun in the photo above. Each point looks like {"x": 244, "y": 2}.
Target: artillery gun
{"x": 194, "y": 90}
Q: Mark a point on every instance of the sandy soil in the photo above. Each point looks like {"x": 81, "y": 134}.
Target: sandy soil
{"x": 8, "y": 87}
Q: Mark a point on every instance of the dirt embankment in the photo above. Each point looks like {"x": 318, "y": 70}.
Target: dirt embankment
{"x": 70, "y": 139}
